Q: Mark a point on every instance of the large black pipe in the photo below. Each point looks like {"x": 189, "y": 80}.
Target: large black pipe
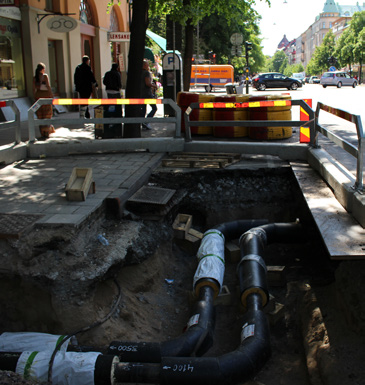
{"x": 197, "y": 339}
{"x": 9, "y": 360}
{"x": 234, "y": 229}
{"x": 237, "y": 366}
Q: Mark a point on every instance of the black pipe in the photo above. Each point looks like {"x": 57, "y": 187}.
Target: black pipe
{"x": 284, "y": 232}
{"x": 234, "y": 367}
{"x": 9, "y": 360}
{"x": 197, "y": 339}
{"x": 104, "y": 366}
{"x": 252, "y": 277}
{"x": 234, "y": 229}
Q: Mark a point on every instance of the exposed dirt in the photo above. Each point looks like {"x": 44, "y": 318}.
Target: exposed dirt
{"x": 68, "y": 279}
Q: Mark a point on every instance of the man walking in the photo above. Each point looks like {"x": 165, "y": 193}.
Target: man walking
{"x": 113, "y": 82}
{"x": 85, "y": 83}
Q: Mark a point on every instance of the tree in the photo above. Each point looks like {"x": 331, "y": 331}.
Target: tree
{"x": 185, "y": 12}
{"x": 135, "y": 59}
{"x": 344, "y": 51}
{"x": 357, "y": 35}
{"x": 293, "y": 68}
{"x": 215, "y": 36}
{"x": 319, "y": 61}
{"x": 275, "y": 64}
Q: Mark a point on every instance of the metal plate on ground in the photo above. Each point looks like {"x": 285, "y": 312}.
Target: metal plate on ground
{"x": 341, "y": 233}
{"x": 152, "y": 195}
{"x": 13, "y": 225}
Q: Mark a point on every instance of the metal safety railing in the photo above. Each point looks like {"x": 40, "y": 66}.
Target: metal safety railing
{"x": 250, "y": 123}
{"x": 33, "y": 121}
{"x": 12, "y": 123}
{"x": 357, "y": 152}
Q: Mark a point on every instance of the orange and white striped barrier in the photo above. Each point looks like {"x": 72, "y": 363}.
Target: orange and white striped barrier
{"x": 69, "y": 102}
{"x": 263, "y": 103}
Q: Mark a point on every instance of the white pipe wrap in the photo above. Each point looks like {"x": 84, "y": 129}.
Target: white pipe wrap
{"x": 29, "y": 341}
{"x": 69, "y": 368}
{"x": 211, "y": 257}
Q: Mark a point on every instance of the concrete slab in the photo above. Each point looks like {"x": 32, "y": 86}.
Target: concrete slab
{"x": 341, "y": 233}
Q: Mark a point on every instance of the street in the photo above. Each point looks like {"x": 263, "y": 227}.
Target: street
{"x": 346, "y": 98}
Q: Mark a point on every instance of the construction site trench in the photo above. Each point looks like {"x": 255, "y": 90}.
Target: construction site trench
{"x": 61, "y": 280}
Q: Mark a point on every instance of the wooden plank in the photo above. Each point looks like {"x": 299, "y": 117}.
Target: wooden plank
{"x": 200, "y": 160}
{"x": 341, "y": 233}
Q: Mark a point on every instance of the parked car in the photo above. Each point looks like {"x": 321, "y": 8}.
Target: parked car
{"x": 275, "y": 80}
{"x": 314, "y": 80}
{"x": 338, "y": 79}
{"x": 306, "y": 79}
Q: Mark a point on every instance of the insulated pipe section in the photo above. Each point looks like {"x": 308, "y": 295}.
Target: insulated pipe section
{"x": 197, "y": 338}
{"x": 252, "y": 273}
{"x": 252, "y": 268}
{"x": 210, "y": 271}
{"x": 69, "y": 368}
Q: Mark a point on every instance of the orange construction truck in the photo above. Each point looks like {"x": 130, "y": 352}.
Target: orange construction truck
{"x": 211, "y": 75}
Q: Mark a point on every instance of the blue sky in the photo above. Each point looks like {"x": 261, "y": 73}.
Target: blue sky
{"x": 291, "y": 19}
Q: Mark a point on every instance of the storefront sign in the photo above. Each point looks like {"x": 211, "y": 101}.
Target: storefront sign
{"x": 119, "y": 36}
{"x": 8, "y": 3}
{"x": 61, "y": 24}
{"x": 121, "y": 63}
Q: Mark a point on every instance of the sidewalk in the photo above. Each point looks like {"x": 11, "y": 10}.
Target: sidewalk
{"x": 33, "y": 190}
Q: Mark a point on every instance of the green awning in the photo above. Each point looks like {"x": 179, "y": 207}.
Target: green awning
{"x": 160, "y": 41}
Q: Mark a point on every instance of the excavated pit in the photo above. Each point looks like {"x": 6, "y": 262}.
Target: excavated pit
{"x": 61, "y": 280}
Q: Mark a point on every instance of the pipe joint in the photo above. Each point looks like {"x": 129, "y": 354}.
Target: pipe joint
{"x": 253, "y": 257}
{"x": 258, "y": 232}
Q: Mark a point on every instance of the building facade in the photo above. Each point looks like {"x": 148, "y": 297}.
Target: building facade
{"x": 333, "y": 17}
{"x": 58, "y": 33}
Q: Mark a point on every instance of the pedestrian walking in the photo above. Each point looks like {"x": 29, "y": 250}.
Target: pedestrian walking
{"x": 85, "y": 83}
{"x": 113, "y": 82}
{"x": 42, "y": 89}
{"x": 148, "y": 91}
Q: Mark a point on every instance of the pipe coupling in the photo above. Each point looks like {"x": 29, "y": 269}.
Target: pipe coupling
{"x": 257, "y": 232}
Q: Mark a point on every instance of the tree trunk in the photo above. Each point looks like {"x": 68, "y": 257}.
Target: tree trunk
{"x": 188, "y": 54}
{"x": 135, "y": 60}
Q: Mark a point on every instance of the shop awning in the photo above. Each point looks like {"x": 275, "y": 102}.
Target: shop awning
{"x": 160, "y": 41}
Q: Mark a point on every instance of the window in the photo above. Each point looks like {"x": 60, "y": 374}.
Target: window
{"x": 86, "y": 15}
{"x": 11, "y": 63}
{"x": 330, "y": 24}
{"x": 49, "y": 5}
{"x": 114, "y": 25}
{"x": 324, "y": 25}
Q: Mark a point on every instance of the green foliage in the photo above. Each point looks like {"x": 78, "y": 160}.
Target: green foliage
{"x": 319, "y": 60}
{"x": 275, "y": 64}
{"x": 293, "y": 68}
{"x": 215, "y": 36}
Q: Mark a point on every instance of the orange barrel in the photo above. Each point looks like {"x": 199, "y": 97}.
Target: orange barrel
{"x": 270, "y": 113}
{"x": 184, "y": 99}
